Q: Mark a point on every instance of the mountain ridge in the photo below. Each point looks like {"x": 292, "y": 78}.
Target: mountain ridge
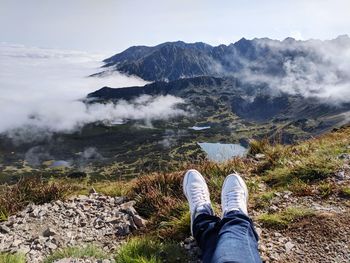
{"x": 174, "y": 60}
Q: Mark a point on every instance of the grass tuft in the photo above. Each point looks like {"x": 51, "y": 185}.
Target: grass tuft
{"x": 283, "y": 218}
{"x": 150, "y": 250}
{"x": 158, "y": 194}
{"x": 326, "y": 189}
{"x": 177, "y": 227}
{"x": 345, "y": 191}
{"x": 29, "y": 190}
{"x": 300, "y": 188}
{"x": 263, "y": 200}
{"x": 12, "y": 258}
{"x": 90, "y": 251}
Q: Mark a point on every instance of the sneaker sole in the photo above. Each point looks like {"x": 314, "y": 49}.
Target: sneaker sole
{"x": 241, "y": 182}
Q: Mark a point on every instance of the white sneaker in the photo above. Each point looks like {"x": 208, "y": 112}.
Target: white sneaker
{"x": 197, "y": 193}
{"x": 234, "y": 195}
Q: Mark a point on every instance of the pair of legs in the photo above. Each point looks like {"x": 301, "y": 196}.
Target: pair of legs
{"x": 231, "y": 238}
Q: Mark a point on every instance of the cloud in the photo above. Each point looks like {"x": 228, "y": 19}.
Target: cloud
{"x": 313, "y": 69}
{"x": 41, "y": 92}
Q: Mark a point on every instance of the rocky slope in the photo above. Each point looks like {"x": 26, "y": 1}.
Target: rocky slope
{"x": 299, "y": 201}
{"x": 323, "y": 235}
{"x": 39, "y": 230}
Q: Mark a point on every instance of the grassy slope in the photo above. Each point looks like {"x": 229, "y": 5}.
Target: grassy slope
{"x": 302, "y": 169}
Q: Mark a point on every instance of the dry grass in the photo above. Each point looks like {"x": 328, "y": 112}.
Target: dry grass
{"x": 157, "y": 194}
{"x": 29, "y": 190}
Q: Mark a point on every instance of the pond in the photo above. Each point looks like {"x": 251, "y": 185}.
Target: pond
{"x": 199, "y": 128}
{"x": 60, "y": 164}
{"x": 220, "y": 152}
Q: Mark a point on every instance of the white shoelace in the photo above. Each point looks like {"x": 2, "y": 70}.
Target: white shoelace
{"x": 234, "y": 199}
{"x": 199, "y": 196}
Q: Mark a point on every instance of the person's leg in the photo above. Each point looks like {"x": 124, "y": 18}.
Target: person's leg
{"x": 205, "y": 231}
{"x": 237, "y": 239}
{"x": 203, "y": 222}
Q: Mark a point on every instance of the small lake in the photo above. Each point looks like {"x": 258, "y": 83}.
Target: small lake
{"x": 60, "y": 164}
{"x": 220, "y": 152}
{"x": 199, "y": 128}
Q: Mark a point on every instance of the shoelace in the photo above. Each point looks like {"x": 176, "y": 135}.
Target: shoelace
{"x": 233, "y": 198}
{"x": 199, "y": 196}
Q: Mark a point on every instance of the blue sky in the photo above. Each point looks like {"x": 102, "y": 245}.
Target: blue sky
{"x": 110, "y": 26}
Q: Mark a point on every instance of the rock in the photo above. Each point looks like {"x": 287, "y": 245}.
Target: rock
{"x": 340, "y": 175}
{"x": 35, "y": 212}
{"x": 126, "y": 205}
{"x": 123, "y": 230}
{"x": 49, "y": 232}
{"x": 24, "y": 249}
{"x": 287, "y": 194}
{"x": 262, "y": 248}
{"x": 92, "y": 191}
{"x": 5, "y": 229}
{"x": 187, "y": 246}
{"x": 188, "y": 240}
{"x": 288, "y": 246}
{"x": 139, "y": 221}
{"x": 119, "y": 200}
{"x": 258, "y": 231}
{"x": 276, "y": 234}
{"x": 274, "y": 256}
{"x": 51, "y": 246}
{"x": 260, "y": 156}
{"x": 273, "y": 208}
{"x": 95, "y": 218}
{"x": 16, "y": 242}
{"x": 344, "y": 156}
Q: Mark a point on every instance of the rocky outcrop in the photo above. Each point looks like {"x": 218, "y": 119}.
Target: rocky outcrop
{"x": 38, "y": 230}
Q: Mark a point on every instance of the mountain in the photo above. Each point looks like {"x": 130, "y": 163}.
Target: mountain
{"x": 173, "y": 60}
{"x": 253, "y": 103}
{"x": 168, "y": 61}
{"x": 259, "y": 80}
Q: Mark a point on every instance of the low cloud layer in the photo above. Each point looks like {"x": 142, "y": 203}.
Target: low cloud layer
{"x": 41, "y": 89}
{"x": 318, "y": 69}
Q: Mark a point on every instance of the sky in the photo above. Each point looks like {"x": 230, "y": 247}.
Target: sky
{"x": 110, "y": 26}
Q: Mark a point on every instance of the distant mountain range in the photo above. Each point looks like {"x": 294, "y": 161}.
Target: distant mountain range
{"x": 174, "y": 60}
{"x": 258, "y": 80}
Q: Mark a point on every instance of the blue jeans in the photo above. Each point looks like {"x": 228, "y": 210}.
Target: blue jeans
{"x": 231, "y": 239}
